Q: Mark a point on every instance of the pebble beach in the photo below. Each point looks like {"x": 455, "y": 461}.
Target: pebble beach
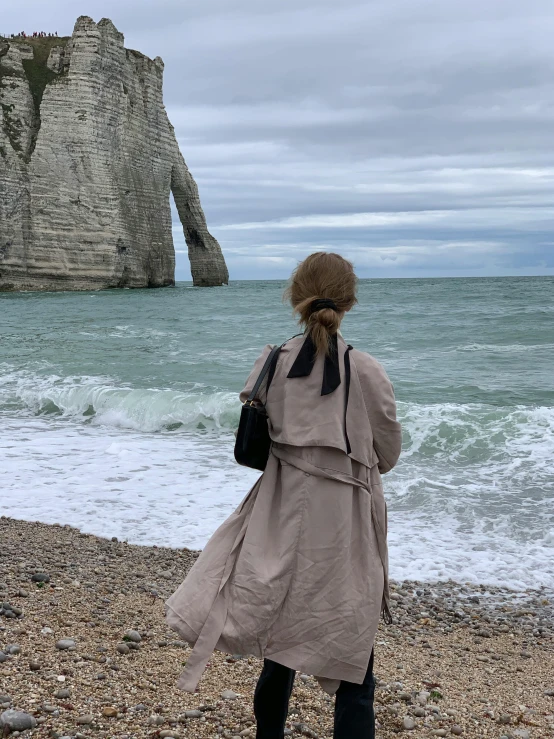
{"x": 85, "y": 652}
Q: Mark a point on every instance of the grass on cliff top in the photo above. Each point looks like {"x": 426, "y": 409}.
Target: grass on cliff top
{"x": 38, "y": 74}
{"x": 41, "y": 46}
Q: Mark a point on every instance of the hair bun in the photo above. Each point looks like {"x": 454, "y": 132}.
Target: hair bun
{"x": 326, "y": 317}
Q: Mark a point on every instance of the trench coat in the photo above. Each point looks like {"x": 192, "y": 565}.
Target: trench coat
{"x": 299, "y": 572}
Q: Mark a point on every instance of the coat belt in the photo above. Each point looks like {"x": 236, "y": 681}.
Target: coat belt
{"x": 380, "y": 531}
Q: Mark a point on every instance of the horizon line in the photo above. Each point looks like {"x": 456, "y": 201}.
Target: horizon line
{"x": 405, "y": 277}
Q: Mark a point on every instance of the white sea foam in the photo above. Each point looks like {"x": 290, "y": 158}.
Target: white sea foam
{"x": 456, "y": 504}
{"x": 434, "y": 548}
{"x": 469, "y": 500}
{"x": 504, "y": 348}
{"x": 168, "y": 489}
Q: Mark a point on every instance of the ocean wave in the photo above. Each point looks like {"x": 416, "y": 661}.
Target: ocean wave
{"x": 441, "y": 433}
{"x": 478, "y": 474}
{"x": 98, "y": 400}
{"x": 471, "y": 498}
{"x": 176, "y": 489}
{"x": 457, "y": 430}
{"x": 503, "y": 348}
{"x": 477, "y": 447}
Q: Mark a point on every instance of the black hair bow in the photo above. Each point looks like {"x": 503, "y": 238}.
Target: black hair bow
{"x": 304, "y": 363}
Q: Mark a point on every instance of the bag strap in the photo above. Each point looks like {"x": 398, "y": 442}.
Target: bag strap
{"x": 347, "y": 393}
{"x": 272, "y": 368}
{"x": 273, "y": 354}
{"x": 269, "y": 366}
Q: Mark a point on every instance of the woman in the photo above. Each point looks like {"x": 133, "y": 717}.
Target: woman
{"x": 299, "y": 573}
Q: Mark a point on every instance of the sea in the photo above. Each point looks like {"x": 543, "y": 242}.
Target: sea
{"x": 117, "y": 413}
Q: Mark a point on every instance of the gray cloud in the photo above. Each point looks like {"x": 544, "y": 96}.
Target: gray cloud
{"x": 415, "y": 138}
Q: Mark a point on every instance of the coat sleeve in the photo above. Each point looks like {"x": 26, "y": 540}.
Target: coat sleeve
{"x": 380, "y": 404}
{"x": 253, "y": 376}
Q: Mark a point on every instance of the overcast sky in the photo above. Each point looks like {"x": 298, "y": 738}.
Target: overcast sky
{"x": 415, "y": 137}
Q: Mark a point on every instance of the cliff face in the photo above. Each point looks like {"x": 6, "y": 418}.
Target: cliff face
{"x": 88, "y": 159}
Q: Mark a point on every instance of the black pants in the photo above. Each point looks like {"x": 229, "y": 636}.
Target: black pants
{"x": 354, "y": 716}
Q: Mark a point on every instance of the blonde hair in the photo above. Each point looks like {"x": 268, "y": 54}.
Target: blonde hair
{"x": 322, "y": 275}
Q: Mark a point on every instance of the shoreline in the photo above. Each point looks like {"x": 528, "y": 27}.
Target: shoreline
{"x": 489, "y": 590}
{"x": 458, "y": 660}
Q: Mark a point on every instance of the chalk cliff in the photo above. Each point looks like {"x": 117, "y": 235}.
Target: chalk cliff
{"x": 88, "y": 159}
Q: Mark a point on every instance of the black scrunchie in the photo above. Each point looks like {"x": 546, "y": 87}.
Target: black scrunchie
{"x": 322, "y": 303}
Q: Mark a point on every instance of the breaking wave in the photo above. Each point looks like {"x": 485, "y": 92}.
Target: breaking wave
{"x": 448, "y": 432}
{"x": 469, "y": 499}
{"x": 98, "y": 400}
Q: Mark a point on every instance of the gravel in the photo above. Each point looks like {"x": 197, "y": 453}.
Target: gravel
{"x": 40, "y": 577}
{"x": 408, "y": 723}
{"x": 11, "y": 720}
{"x": 437, "y": 668}
{"x": 65, "y": 644}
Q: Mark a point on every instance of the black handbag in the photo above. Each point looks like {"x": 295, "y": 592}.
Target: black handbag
{"x": 253, "y": 441}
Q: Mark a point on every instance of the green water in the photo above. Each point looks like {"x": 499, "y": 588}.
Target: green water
{"x": 471, "y": 361}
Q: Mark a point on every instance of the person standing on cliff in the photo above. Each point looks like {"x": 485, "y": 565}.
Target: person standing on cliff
{"x": 298, "y": 574}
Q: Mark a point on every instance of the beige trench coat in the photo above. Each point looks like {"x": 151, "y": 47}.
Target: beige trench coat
{"x": 299, "y": 572}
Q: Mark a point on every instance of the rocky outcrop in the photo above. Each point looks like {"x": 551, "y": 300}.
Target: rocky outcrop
{"x": 88, "y": 159}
